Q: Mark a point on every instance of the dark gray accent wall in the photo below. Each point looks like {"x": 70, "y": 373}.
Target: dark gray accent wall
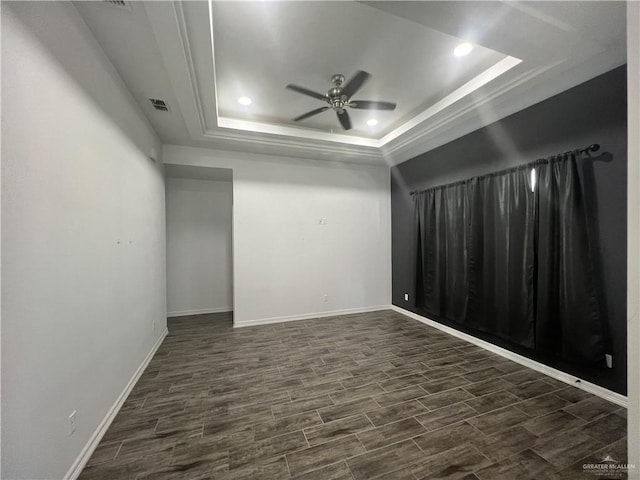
{"x": 593, "y": 112}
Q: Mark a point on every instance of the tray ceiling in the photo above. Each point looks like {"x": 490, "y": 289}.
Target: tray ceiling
{"x": 200, "y": 57}
{"x": 261, "y": 47}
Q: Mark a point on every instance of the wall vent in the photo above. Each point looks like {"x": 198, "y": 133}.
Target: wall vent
{"x": 118, "y": 3}
{"x": 159, "y": 104}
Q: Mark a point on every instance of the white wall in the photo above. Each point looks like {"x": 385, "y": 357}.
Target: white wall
{"x": 284, "y": 261}
{"x": 633, "y": 254}
{"x": 198, "y": 246}
{"x": 83, "y": 238}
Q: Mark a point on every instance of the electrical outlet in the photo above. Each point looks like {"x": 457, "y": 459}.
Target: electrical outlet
{"x": 406, "y": 297}
{"x": 153, "y": 325}
{"x": 325, "y": 298}
{"x": 608, "y": 358}
{"x": 72, "y": 422}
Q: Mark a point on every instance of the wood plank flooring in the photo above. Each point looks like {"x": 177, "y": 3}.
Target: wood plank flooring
{"x": 355, "y": 397}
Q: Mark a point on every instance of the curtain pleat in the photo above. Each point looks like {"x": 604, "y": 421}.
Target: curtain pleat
{"x": 569, "y": 320}
{"x": 442, "y": 281}
{"x": 502, "y": 250}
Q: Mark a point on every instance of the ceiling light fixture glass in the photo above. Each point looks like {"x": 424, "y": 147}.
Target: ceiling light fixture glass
{"x": 244, "y": 101}
{"x": 463, "y": 49}
{"x": 372, "y": 122}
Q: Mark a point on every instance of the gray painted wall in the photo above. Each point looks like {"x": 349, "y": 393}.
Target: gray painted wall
{"x": 593, "y": 112}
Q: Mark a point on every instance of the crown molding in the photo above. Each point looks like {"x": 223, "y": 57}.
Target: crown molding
{"x": 293, "y": 146}
{"x": 504, "y": 100}
{"x": 188, "y": 58}
{"x": 488, "y": 96}
{"x": 165, "y": 25}
{"x": 275, "y": 129}
{"x": 501, "y": 90}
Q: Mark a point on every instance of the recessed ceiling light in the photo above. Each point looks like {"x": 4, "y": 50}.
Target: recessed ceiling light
{"x": 463, "y": 49}
{"x": 244, "y": 101}
{"x": 372, "y": 122}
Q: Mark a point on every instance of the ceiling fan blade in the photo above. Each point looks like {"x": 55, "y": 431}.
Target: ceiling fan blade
{"x": 370, "y": 105}
{"x": 344, "y": 120}
{"x": 311, "y": 113}
{"x": 306, "y": 91}
{"x": 353, "y": 85}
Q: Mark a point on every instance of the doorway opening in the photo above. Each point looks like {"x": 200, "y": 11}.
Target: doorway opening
{"x": 199, "y": 225}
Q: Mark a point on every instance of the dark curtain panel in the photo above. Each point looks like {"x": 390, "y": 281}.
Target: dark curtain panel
{"x": 441, "y": 218}
{"x": 496, "y": 255}
{"x": 501, "y": 256}
{"x": 569, "y": 320}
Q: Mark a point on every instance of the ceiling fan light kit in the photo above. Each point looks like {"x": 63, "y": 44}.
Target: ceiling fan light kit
{"x": 339, "y": 97}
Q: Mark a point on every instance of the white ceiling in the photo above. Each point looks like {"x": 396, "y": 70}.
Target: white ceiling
{"x": 524, "y": 52}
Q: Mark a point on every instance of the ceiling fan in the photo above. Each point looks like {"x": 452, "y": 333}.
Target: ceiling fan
{"x": 339, "y": 97}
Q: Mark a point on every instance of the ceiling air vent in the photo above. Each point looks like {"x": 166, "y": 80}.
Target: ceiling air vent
{"x": 118, "y": 3}
{"x": 159, "y": 104}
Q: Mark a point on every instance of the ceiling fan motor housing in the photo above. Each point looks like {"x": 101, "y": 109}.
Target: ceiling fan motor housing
{"x": 339, "y": 96}
{"x": 335, "y": 92}
{"x": 336, "y": 99}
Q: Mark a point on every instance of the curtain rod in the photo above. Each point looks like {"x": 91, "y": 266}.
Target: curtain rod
{"x": 594, "y": 147}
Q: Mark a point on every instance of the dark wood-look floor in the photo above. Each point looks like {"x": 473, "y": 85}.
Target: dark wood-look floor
{"x": 355, "y": 397}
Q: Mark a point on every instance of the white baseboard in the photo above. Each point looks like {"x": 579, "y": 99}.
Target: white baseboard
{"x": 203, "y": 311}
{"x": 308, "y": 316}
{"x": 87, "y": 451}
{"x": 527, "y": 362}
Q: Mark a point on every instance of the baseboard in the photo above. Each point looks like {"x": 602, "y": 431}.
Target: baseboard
{"x": 203, "y": 311}
{"x": 87, "y": 451}
{"x": 527, "y": 362}
{"x": 308, "y": 316}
